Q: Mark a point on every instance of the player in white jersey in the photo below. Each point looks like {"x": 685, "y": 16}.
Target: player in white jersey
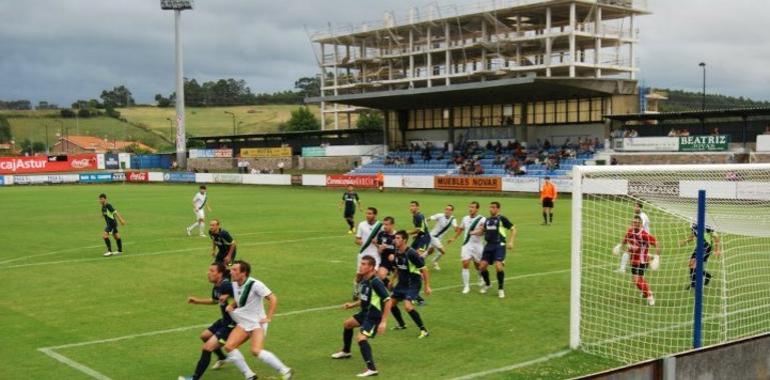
{"x": 200, "y": 201}
{"x": 471, "y": 228}
{"x": 248, "y": 312}
{"x": 645, "y": 227}
{"x": 366, "y": 236}
{"x": 444, "y": 223}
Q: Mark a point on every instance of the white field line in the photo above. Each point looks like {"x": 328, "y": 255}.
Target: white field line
{"x": 512, "y": 367}
{"x": 129, "y": 243}
{"x": 127, "y": 256}
{"x": 49, "y": 351}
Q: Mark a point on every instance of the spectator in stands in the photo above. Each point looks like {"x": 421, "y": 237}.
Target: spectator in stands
{"x": 409, "y": 160}
{"x": 280, "y": 166}
{"x": 499, "y": 160}
{"x": 767, "y": 130}
{"x": 499, "y": 147}
{"x": 254, "y": 171}
{"x": 673, "y": 133}
{"x": 613, "y": 161}
{"x": 489, "y": 145}
{"x": 684, "y": 133}
{"x": 446, "y": 147}
{"x": 478, "y": 170}
{"x": 546, "y": 144}
{"x": 715, "y": 132}
{"x": 174, "y": 165}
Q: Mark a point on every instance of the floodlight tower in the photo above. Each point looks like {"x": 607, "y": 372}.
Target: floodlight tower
{"x": 181, "y": 140}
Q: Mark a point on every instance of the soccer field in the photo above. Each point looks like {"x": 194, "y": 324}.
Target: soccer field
{"x": 69, "y": 313}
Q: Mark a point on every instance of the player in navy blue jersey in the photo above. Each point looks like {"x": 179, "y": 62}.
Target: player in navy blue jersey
{"x": 350, "y": 201}
{"x": 499, "y": 234}
{"x": 711, "y": 244}
{"x": 223, "y": 246}
{"x": 420, "y": 231}
{"x": 387, "y": 249}
{"x": 111, "y": 218}
{"x": 373, "y": 298}
{"x": 411, "y": 274}
{"x": 216, "y": 335}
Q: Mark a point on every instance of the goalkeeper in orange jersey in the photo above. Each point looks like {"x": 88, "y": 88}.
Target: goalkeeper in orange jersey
{"x": 638, "y": 241}
{"x": 548, "y": 195}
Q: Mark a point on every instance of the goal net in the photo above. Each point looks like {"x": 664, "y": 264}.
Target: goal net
{"x": 611, "y": 315}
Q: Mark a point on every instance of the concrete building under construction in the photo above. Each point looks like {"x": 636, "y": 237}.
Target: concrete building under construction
{"x": 522, "y": 69}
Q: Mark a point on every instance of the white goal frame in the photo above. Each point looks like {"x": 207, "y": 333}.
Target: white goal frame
{"x": 578, "y": 173}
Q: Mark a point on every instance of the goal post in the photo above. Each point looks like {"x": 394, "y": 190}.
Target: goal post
{"x": 645, "y": 307}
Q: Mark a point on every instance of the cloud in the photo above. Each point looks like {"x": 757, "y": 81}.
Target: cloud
{"x": 63, "y": 50}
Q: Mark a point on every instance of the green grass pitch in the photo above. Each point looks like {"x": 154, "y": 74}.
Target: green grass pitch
{"x": 126, "y": 317}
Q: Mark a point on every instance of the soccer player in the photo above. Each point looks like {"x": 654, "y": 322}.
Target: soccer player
{"x": 199, "y": 201}
{"x": 374, "y": 301}
{"x": 497, "y": 229}
{"x": 638, "y": 242}
{"x": 547, "y": 197}
{"x": 420, "y": 231}
{"x": 350, "y": 200}
{"x": 411, "y": 273}
{"x": 223, "y": 246}
{"x": 111, "y": 217}
{"x": 366, "y": 236}
{"x": 444, "y": 222}
{"x": 645, "y": 226}
{"x": 214, "y": 336}
{"x": 251, "y": 320}
{"x": 387, "y": 249}
{"x": 711, "y": 244}
{"x": 472, "y": 228}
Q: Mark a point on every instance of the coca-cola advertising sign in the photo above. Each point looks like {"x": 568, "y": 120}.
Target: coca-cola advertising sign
{"x": 47, "y": 164}
{"x": 355, "y": 180}
{"x": 137, "y": 176}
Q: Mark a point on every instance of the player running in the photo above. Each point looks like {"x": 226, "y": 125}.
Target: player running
{"x": 645, "y": 226}
{"x": 251, "y": 320}
{"x": 387, "y": 249}
{"x": 420, "y": 231}
{"x": 444, "y": 223}
{"x": 223, "y": 246}
{"x": 638, "y": 242}
{"x": 497, "y": 229}
{"x": 350, "y": 200}
{"x": 111, "y": 217}
{"x": 374, "y": 301}
{"x": 199, "y": 201}
{"x": 711, "y": 244}
{"x": 411, "y": 273}
{"x": 214, "y": 336}
{"x": 548, "y": 195}
{"x": 472, "y": 228}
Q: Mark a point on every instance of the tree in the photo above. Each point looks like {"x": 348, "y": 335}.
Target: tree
{"x": 38, "y": 147}
{"x": 370, "y": 120}
{"x": 308, "y": 86}
{"x": 301, "y": 120}
{"x": 162, "y": 102}
{"x": 5, "y": 130}
{"x": 117, "y": 97}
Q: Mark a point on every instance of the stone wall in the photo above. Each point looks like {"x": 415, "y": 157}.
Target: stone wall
{"x": 760, "y": 157}
{"x": 329, "y": 163}
{"x": 227, "y": 164}
{"x": 680, "y": 159}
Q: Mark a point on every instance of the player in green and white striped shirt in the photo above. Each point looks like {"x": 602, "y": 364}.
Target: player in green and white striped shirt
{"x": 471, "y": 228}
{"x": 444, "y": 223}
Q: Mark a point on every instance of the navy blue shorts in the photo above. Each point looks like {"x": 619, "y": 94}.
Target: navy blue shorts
{"x": 421, "y": 242}
{"x": 706, "y": 253}
{"x": 369, "y": 322}
{"x": 221, "y": 330}
{"x": 493, "y": 252}
{"x": 410, "y": 293}
{"x": 221, "y": 256}
{"x": 638, "y": 269}
{"x": 111, "y": 228}
{"x": 387, "y": 264}
{"x": 349, "y": 213}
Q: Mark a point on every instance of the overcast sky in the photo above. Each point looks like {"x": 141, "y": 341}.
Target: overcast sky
{"x": 62, "y": 50}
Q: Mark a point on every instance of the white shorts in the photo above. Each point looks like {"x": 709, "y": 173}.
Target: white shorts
{"x": 250, "y": 326}
{"x": 436, "y": 243}
{"x": 200, "y": 214}
{"x": 375, "y": 257}
{"x": 471, "y": 251}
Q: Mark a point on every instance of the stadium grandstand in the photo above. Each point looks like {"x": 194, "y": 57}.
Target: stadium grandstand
{"x": 509, "y": 88}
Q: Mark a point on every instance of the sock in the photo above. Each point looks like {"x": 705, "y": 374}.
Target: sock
{"x": 203, "y": 364}
{"x": 201, "y": 226}
{"x": 437, "y": 257}
{"x": 466, "y": 274}
{"x": 350, "y": 223}
{"x": 347, "y": 339}
{"x": 624, "y": 261}
{"x": 220, "y": 355}
{"x": 545, "y": 217}
{"x": 416, "y": 318}
{"x": 109, "y": 244}
{"x": 485, "y": 276}
{"x": 500, "y": 279}
{"x": 236, "y": 357}
{"x": 397, "y": 315}
{"x": 642, "y": 285}
{"x": 550, "y": 216}
{"x": 707, "y": 276}
{"x": 120, "y": 244}
{"x": 270, "y": 359}
{"x": 366, "y": 353}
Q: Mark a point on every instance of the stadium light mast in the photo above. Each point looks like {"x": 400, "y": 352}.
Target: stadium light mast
{"x": 181, "y": 141}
